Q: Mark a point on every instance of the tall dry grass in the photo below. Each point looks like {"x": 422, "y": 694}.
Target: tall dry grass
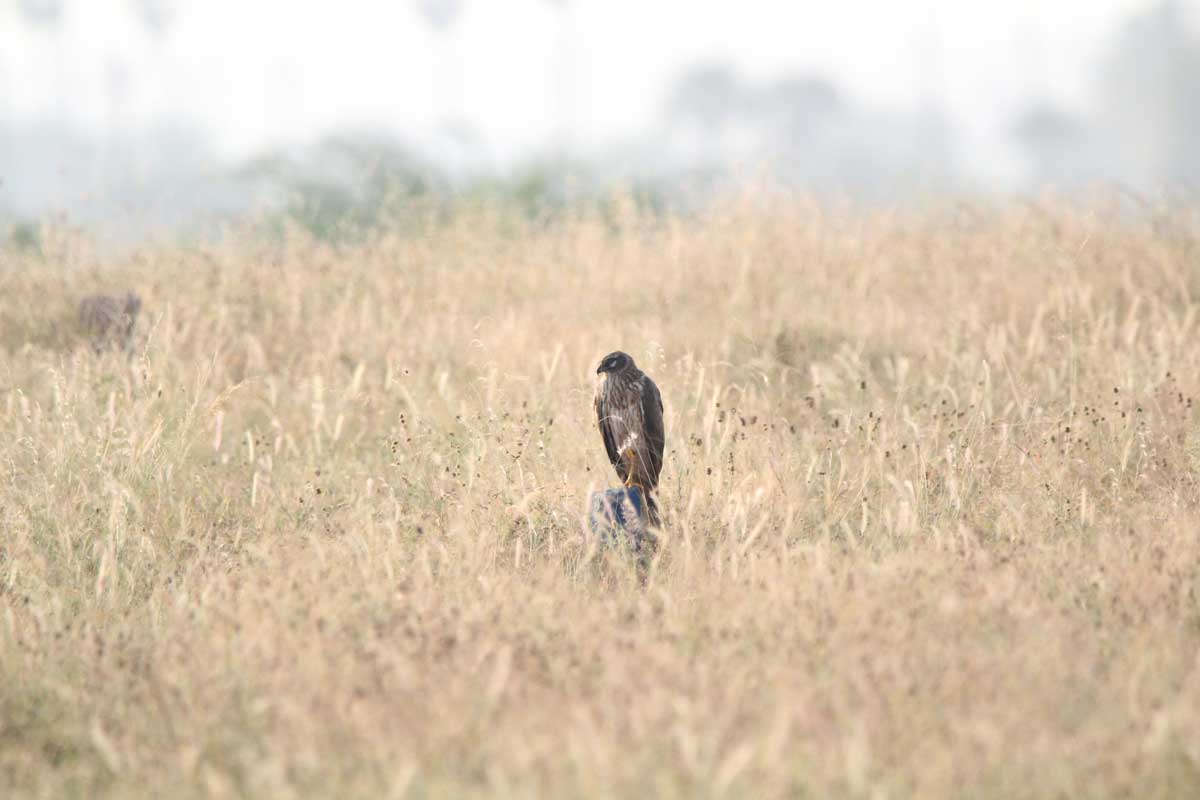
{"x": 930, "y": 494}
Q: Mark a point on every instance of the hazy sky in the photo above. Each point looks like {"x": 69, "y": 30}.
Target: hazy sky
{"x": 526, "y": 73}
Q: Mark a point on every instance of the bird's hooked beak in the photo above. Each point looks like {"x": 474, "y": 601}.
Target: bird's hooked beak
{"x": 600, "y": 369}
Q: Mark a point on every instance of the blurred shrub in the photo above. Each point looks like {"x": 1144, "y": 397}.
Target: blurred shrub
{"x": 351, "y": 185}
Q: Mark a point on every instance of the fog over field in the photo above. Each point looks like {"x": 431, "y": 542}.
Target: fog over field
{"x": 155, "y": 117}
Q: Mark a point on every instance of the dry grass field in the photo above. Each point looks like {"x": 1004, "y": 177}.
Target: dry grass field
{"x": 932, "y": 521}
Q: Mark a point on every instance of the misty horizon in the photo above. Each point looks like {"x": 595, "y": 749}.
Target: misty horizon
{"x": 160, "y": 112}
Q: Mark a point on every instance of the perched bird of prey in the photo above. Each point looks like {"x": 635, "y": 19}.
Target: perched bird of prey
{"x": 109, "y": 319}
{"x": 630, "y": 411}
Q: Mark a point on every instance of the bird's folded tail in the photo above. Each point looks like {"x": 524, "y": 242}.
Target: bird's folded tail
{"x": 652, "y": 510}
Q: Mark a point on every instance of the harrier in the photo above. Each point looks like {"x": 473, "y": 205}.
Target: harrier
{"x": 630, "y": 412}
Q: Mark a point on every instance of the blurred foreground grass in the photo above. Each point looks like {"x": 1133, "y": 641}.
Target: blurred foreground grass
{"x": 932, "y": 523}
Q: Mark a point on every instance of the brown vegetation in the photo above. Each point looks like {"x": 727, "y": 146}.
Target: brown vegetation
{"x": 930, "y": 499}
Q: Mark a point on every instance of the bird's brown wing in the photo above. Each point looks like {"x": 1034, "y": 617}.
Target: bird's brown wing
{"x": 651, "y": 454}
{"x": 610, "y": 446}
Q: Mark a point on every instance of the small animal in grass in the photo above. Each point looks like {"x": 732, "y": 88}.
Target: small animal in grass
{"x": 109, "y": 319}
{"x": 630, "y": 412}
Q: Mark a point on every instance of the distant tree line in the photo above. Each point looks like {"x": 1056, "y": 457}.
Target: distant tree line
{"x": 1141, "y": 131}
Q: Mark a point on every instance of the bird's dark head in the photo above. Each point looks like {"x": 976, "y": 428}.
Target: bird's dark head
{"x": 615, "y": 362}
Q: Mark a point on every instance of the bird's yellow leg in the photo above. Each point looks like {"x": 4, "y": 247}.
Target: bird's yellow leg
{"x": 631, "y": 467}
